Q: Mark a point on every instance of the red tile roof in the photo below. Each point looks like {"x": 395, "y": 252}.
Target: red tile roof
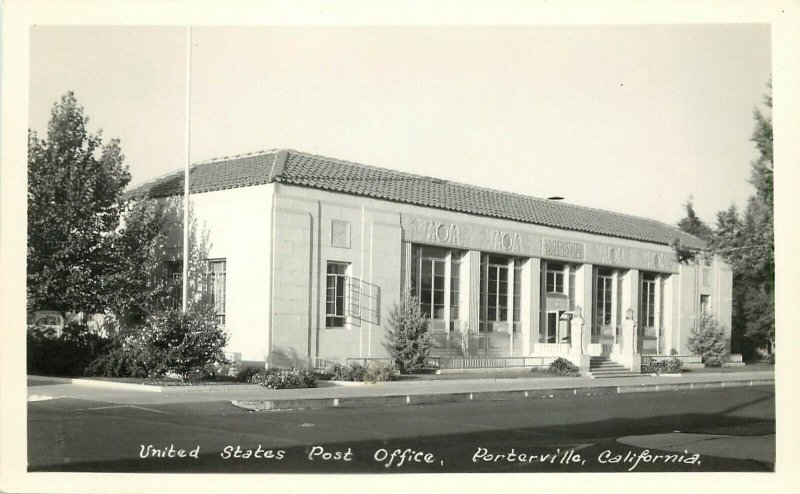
{"x": 306, "y": 170}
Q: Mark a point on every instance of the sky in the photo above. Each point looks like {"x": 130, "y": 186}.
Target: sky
{"x": 633, "y": 119}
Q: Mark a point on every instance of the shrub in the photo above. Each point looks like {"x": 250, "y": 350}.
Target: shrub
{"x": 408, "y": 338}
{"x": 378, "y": 371}
{"x": 65, "y": 355}
{"x": 169, "y": 342}
{"x": 246, "y": 374}
{"x": 352, "y": 372}
{"x": 563, "y": 367}
{"x": 708, "y": 340}
{"x": 669, "y": 366}
{"x": 284, "y": 378}
{"x": 116, "y": 362}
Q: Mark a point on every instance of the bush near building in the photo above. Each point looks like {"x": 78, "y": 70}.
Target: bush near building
{"x": 708, "y": 340}
{"x": 668, "y": 366}
{"x": 284, "y": 379}
{"x": 353, "y": 372}
{"x": 374, "y": 371}
{"x": 67, "y": 354}
{"x": 408, "y": 338}
{"x": 563, "y": 367}
{"x": 170, "y": 342}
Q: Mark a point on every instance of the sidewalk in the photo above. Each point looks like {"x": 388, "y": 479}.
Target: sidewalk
{"x": 254, "y": 397}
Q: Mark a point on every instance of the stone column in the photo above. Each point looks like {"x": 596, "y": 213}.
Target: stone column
{"x": 472, "y": 271}
{"x": 529, "y": 315}
{"x": 630, "y": 300}
{"x": 405, "y": 283}
{"x": 583, "y": 297}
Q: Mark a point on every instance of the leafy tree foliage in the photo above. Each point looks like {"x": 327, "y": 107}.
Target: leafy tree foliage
{"x": 745, "y": 240}
{"x": 408, "y": 338}
{"x": 74, "y": 188}
{"x": 90, "y": 248}
{"x": 137, "y": 286}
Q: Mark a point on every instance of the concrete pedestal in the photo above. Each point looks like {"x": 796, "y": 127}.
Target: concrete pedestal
{"x": 629, "y": 357}
{"x": 577, "y": 352}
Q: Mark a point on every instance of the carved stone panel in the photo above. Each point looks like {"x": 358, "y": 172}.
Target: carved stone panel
{"x": 340, "y": 234}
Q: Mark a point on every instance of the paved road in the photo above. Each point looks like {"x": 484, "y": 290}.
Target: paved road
{"x": 731, "y": 430}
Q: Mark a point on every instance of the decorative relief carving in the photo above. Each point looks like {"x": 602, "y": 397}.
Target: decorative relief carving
{"x": 340, "y": 233}
{"x": 629, "y": 257}
{"x": 468, "y": 236}
{"x": 475, "y": 237}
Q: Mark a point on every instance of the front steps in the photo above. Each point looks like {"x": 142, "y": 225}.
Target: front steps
{"x": 602, "y": 367}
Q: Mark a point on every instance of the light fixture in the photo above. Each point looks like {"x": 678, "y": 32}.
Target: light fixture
{"x": 629, "y": 314}
{"x": 578, "y": 311}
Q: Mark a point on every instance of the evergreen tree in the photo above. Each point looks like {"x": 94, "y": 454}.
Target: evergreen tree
{"x": 708, "y": 340}
{"x": 408, "y": 338}
{"x": 692, "y": 223}
{"x": 747, "y": 243}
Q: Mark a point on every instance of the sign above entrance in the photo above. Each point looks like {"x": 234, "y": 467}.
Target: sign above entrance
{"x": 474, "y": 237}
{"x": 562, "y": 248}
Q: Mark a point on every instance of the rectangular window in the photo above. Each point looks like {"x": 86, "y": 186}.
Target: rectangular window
{"x": 554, "y": 278}
{"x": 335, "y": 294}
{"x": 215, "y": 287}
{"x": 494, "y": 292}
{"x": 430, "y": 283}
{"x": 455, "y": 280}
{"x": 704, "y": 304}
{"x": 515, "y": 316}
{"x": 173, "y": 274}
{"x": 648, "y": 301}
{"x": 604, "y": 284}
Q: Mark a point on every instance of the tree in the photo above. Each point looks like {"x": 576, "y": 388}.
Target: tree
{"x": 751, "y": 251}
{"x": 408, "y": 338}
{"x": 137, "y": 287}
{"x": 75, "y": 184}
{"x": 708, "y": 340}
{"x": 746, "y": 241}
{"x": 692, "y": 224}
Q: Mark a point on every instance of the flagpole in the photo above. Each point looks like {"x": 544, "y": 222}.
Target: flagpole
{"x": 185, "y": 297}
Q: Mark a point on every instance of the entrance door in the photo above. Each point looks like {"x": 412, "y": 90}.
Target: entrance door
{"x": 555, "y": 331}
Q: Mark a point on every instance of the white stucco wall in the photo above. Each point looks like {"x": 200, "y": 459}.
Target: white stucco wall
{"x": 238, "y": 222}
{"x": 277, "y": 240}
{"x": 713, "y": 279}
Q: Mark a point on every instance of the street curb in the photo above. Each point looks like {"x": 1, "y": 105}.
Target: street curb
{"x": 146, "y": 388}
{"x": 478, "y": 396}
